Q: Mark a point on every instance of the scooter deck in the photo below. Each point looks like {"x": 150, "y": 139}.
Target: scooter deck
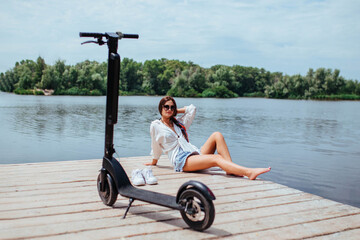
{"x": 126, "y": 189}
{"x": 130, "y": 191}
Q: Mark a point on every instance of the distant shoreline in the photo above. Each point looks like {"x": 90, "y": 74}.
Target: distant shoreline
{"x": 333, "y": 97}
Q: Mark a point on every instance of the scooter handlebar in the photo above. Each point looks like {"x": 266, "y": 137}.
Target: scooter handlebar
{"x": 100, "y": 35}
{"x": 131, "y": 36}
{"x": 88, "y": 34}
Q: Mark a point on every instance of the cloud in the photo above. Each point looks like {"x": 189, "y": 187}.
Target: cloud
{"x": 286, "y": 36}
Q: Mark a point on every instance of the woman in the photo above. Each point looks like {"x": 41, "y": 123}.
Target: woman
{"x": 169, "y": 135}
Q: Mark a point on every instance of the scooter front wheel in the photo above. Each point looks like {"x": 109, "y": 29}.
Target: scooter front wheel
{"x": 110, "y": 193}
{"x": 198, "y": 212}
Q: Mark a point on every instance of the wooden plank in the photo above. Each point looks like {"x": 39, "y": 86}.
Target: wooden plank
{"x": 79, "y": 197}
{"x": 320, "y": 228}
{"x": 60, "y": 200}
{"x": 346, "y": 234}
{"x": 33, "y": 204}
{"x": 88, "y": 211}
{"x": 160, "y": 229}
{"x": 245, "y": 226}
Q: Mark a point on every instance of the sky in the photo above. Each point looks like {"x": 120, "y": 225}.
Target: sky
{"x": 278, "y": 35}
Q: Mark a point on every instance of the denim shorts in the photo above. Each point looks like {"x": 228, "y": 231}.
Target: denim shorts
{"x": 181, "y": 158}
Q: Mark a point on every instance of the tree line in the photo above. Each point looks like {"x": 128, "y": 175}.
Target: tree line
{"x": 176, "y": 78}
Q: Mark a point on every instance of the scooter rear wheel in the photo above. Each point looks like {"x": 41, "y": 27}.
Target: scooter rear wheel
{"x": 110, "y": 193}
{"x": 199, "y": 212}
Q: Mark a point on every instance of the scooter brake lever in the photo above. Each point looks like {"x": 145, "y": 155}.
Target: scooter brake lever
{"x": 89, "y": 42}
{"x": 99, "y": 41}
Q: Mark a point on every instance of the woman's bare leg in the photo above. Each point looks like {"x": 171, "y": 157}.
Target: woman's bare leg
{"x": 216, "y": 142}
{"x": 200, "y": 162}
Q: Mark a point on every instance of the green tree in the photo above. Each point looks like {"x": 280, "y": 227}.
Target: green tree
{"x": 298, "y": 87}
{"x": 246, "y": 78}
{"x": 333, "y": 82}
{"x": 25, "y": 77}
{"x": 70, "y": 77}
{"x": 189, "y": 83}
{"x": 154, "y": 80}
{"x": 50, "y": 78}
{"x": 9, "y": 80}
{"x": 25, "y": 74}
{"x": 350, "y": 87}
{"x": 219, "y": 92}
{"x": 3, "y": 83}
{"x": 224, "y": 76}
{"x": 180, "y": 85}
{"x": 130, "y": 75}
{"x": 262, "y": 79}
{"x": 85, "y": 71}
{"x": 59, "y": 69}
{"x": 197, "y": 79}
{"x": 98, "y": 83}
{"x": 39, "y": 69}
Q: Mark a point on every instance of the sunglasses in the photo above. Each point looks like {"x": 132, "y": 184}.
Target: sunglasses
{"x": 167, "y": 107}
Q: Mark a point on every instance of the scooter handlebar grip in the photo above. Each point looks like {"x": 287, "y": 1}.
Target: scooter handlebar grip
{"x": 136, "y": 36}
{"x": 88, "y": 34}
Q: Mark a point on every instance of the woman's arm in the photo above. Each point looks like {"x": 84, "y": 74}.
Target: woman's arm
{"x": 189, "y": 115}
{"x": 181, "y": 110}
{"x": 156, "y": 149}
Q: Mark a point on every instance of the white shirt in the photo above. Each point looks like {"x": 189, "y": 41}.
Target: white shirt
{"x": 164, "y": 139}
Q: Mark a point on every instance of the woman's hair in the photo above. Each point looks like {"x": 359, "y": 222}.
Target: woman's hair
{"x": 175, "y": 121}
{"x": 162, "y": 103}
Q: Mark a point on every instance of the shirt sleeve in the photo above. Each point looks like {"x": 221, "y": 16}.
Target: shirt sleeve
{"x": 188, "y": 116}
{"x": 156, "y": 149}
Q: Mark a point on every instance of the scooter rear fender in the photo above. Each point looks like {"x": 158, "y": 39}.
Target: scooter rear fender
{"x": 198, "y": 186}
{"x": 117, "y": 172}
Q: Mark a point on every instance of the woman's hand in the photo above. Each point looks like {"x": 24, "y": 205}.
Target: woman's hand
{"x": 153, "y": 163}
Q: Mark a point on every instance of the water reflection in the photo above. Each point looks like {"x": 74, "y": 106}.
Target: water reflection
{"x": 45, "y": 121}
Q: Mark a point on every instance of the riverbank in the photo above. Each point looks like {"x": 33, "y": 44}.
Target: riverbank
{"x": 67, "y": 205}
{"x": 46, "y": 92}
{"x": 50, "y": 92}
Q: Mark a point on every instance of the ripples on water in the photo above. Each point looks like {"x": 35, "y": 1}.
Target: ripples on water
{"x": 310, "y": 145}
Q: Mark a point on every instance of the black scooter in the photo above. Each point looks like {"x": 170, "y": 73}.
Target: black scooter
{"x": 193, "y": 200}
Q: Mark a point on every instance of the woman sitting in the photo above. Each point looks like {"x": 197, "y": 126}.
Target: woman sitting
{"x": 169, "y": 135}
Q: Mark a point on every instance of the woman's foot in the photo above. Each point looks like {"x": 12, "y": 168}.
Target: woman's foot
{"x": 257, "y": 171}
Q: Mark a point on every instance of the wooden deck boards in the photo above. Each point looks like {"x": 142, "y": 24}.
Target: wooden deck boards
{"x": 59, "y": 200}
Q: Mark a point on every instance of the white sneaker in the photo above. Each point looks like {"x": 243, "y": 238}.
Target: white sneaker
{"x": 148, "y": 176}
{"x": 137, "y": 178}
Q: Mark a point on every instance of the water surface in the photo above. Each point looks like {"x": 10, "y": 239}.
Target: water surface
{"x": 313, "y": 146}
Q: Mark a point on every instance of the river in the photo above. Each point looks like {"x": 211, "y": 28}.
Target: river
{"x": 313, "y": 146}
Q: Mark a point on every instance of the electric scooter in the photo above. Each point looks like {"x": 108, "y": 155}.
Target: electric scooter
{"x": 194, "y": 199}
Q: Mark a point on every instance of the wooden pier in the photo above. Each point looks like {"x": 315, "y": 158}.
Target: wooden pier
{"x": 59, "y": 200}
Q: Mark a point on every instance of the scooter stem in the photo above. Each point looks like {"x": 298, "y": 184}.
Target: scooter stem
{"x": 112, "y": 95}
